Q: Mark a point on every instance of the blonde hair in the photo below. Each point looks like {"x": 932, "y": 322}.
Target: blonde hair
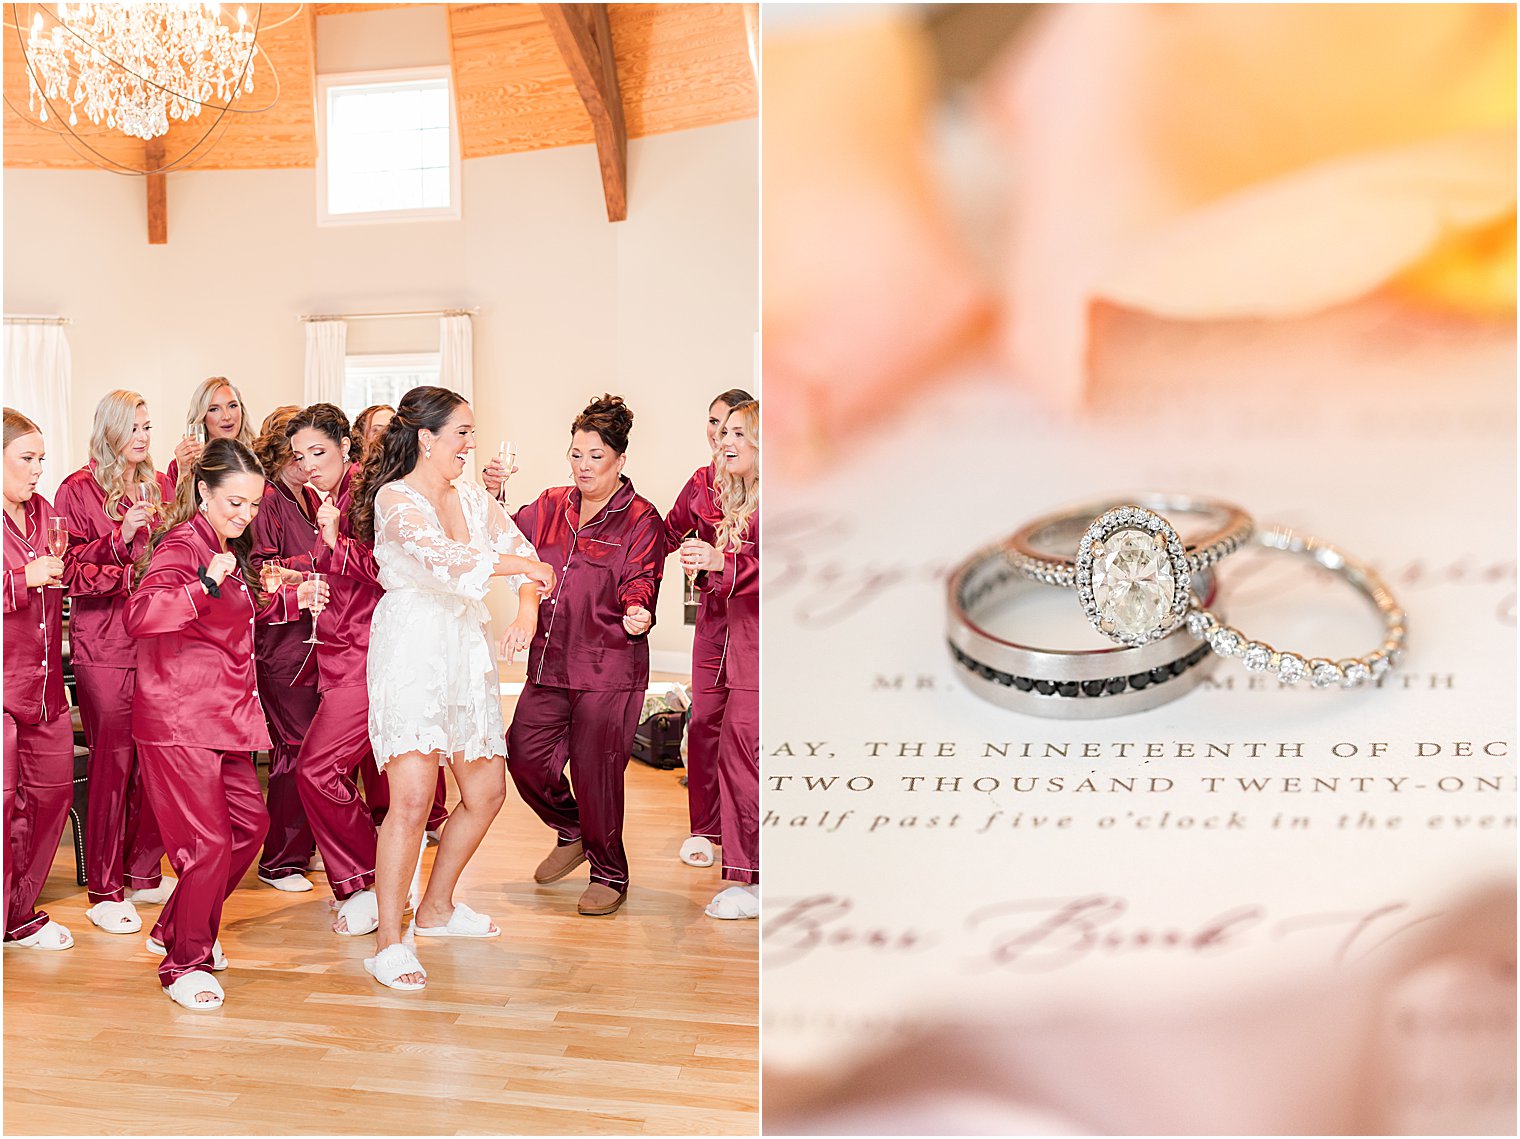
{"x": 200, "y": 403}
{"x": 739, "y": 499}
{"x": 17, "y": 425}
{"x": 109, "y": 436}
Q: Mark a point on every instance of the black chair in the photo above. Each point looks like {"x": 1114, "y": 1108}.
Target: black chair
{"x": 79, "y": 810}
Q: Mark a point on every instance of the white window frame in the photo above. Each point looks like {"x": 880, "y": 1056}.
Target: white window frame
{"x": 389, "y": 362}
{"x": 452, "y": 211}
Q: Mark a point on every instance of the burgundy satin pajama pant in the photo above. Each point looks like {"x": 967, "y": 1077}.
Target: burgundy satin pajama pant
{"x": 289, "y": 710}
{"x": 593, "y": 733}
{"x": 122, "y": 846}
{"x": 708, "y": 696}
{"x": 39, "y": 786}
{"x": 336, "y": 743}
{"x": 739, "y": 780}
{"x": 212, "y": 816}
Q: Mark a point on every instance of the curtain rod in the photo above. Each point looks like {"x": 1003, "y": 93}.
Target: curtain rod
{"x": 388, "y": 315}
{"x": 38, "y": 320}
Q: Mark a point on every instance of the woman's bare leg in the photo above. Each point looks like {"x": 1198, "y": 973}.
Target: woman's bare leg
{"x": 412, "y": 778}
{"x": 482, "y": 790}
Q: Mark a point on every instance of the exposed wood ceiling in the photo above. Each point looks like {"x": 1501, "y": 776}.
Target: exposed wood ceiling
{"x": 678, "y": 66}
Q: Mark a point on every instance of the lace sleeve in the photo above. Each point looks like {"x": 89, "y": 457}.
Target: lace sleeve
{"x": 505, "y": 538}
{"x": 448, "y": 566}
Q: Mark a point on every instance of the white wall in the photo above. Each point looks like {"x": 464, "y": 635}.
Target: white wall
{"x": 661, "y": 308}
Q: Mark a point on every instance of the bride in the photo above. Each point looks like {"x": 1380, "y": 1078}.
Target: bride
{"x": 433, "y": 691}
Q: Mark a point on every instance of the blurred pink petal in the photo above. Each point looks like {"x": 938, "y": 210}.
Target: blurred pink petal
{"x": 1330, "y": 234}
{"x": 1241, "y": 139}
{"x": 864, "y": 286}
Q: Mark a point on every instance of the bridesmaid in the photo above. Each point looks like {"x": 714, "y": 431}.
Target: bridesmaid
{"x": 109, "y": 522}
{"x": 696, "y": 512}
{"x": 731, "y": 567}
{"x": 370, "y": 424}
{"x": 338, "y": 738}
{"x": 39, "y": 743}
{"x": 588, "y": 664}
{"x": 218, "y": 407}
{"x": 194, "y": 611}
{"x": 285, "y": 528}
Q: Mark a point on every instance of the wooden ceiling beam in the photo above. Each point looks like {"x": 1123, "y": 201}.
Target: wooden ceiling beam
{"x": 158, "y": 193}
{"x": 583, "y": 35}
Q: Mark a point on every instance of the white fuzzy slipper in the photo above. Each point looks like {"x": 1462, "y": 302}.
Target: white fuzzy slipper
{"x": 114, "y": 917}
{"x": 697, "y": 851}
{"x": 51, "y": 936}
{"x": 735, "y": 903}
{"x": 185, "y": 989}
{"x": 157, "y": 896}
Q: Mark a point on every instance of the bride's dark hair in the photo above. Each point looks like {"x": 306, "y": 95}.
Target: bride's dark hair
{"x": 394, "y": 454}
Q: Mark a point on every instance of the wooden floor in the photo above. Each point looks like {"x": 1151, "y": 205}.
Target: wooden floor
{"x": 644, "y": 1022}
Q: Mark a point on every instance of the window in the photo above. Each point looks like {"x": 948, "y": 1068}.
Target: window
{"x": 388, "y": 147}
{"x": 368, "y": 380}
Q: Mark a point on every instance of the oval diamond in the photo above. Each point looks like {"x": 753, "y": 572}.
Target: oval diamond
{"x": 1133, "y": 582}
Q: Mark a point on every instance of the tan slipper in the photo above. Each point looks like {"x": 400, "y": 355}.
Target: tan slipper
{"x": 561, "y": 860}
{"x": 601, "y": 899}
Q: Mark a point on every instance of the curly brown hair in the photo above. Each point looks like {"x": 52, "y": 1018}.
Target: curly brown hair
{"x": 273, "y": 446}
{"x": 610, "y": 418}
{"x": 361, "y": 427}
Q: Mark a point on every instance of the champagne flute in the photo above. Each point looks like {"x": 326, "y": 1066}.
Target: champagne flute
{"x": 200, "y": 433}
{"x": 689, "y": 595}
{"x": 316, "y": 608}
{"x": 57, "y": 539}
{"x": 271, "y": 575}
{"x": 147, "y": 492}
{"x": 506, "y": 454}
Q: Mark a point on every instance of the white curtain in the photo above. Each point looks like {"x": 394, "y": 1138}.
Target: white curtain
{"x": 38, "y": 367}
{"x": 326, "y": 344}
{"x": 456, "y": 355}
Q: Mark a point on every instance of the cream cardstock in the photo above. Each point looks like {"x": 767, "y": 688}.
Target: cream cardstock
{"x": 930, "y": 856}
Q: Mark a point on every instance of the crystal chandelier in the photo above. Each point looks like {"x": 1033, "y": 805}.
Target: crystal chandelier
{"x": 133, "y": 67}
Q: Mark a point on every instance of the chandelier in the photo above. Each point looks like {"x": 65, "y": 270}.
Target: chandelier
{"x": 134, "y": 70}
{"x": 133, "y": 67}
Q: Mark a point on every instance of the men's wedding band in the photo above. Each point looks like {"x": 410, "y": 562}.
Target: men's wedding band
{"x": 1064, "y": 684}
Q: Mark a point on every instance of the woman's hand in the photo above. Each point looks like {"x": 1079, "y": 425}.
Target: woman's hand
{"x": 541, "y": 574}
{"x": 139, "y": 516}
{"x": 519, "y": 634}
{"x": 495, "y": 474}
{"x": 221, "y": 566}
{"x": 327, "y": 522}
{"x": 311, "y": 594}
{"x": 636, "y": 621}
{"x": 186, "y": 452}
{"x": 697, "y": 555}
{"x": 46, "y": 570}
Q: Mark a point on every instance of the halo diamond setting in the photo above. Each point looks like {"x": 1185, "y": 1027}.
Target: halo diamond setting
{"x": 1132, "y": 575}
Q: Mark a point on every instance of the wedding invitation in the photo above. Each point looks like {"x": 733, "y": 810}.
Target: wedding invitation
{"x": 930, "y": 856}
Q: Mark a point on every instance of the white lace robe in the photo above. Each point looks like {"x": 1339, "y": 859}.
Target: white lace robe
{"x": 432, "y": 669}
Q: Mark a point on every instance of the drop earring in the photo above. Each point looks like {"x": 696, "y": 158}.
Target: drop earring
{"x": 427, "y": 451}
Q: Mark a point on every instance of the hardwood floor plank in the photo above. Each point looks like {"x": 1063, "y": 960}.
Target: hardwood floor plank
{"x": 644, "y": 1022}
